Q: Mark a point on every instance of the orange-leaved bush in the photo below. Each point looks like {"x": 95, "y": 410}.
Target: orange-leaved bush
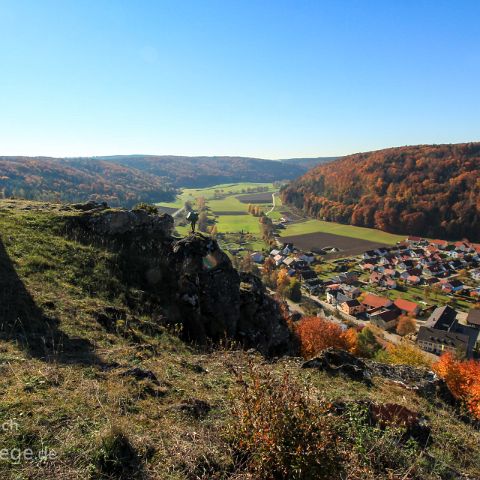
{"x": 316, "y": 334}
{"x": 463, "y": 380}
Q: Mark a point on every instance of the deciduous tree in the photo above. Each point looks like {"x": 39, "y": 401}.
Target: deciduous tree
{"x": 406, "y": 325}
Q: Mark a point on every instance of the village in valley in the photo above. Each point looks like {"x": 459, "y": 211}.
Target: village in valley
{"x": 420, "y": 291}
{"x": 423, "y": 292}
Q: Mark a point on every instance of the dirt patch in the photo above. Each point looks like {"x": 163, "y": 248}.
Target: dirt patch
{"x": 265, "y": 197}
{"x": 316, "y": 241}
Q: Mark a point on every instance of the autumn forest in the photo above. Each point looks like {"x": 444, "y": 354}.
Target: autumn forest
{"x": 429, "y": 190}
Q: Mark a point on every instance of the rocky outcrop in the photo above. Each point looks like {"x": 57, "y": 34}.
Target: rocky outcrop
{"x": 101, "y": 221}
{"x": 336, "y": 362}
{"x": 417, "y": 379}
{"x": 423, "y": 381}
{"x": 188, "y": 281}
{"x": 208, "y": 288}
{"x": 261, "y": 324}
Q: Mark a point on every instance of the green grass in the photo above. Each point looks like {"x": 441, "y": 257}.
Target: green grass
{"x": 228, "y": 204}
{"x": 313, "y": 226}
{"x": 230, "y": 189}
{"x": 238, "y": 223}
{"x": 228, "y": 223}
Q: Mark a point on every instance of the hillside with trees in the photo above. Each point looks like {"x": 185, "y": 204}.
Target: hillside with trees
{"x": 70, "y": 180}
{"x": 429, "y": 190}
{"x": 127, "y": 180}
{"x": 309, "y": 162}
{"x": 199, "y": 172}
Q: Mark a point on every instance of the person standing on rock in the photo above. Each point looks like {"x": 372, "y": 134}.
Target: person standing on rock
{"x": 192, "y": 217}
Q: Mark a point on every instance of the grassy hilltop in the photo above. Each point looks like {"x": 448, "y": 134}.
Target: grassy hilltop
{"x": 114, "y": 393}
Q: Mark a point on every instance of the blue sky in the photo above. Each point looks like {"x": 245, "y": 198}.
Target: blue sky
{"x": 262, "y": 78}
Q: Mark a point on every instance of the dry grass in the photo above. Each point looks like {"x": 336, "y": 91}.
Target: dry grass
{"x": 69, "y": 404}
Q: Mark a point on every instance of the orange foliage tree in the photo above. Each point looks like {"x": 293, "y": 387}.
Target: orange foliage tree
{"x": 463, "y": 380}
{"x": 316, "y": 334}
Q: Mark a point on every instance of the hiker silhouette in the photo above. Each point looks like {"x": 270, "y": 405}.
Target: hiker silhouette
{"x": 192, "y": 217}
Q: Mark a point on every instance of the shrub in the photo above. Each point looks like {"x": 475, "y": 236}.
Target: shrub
{"x": 283, "y": 282}
{"x": 367, "y": 344}
{"x": 294, "y": 291}
{"x": 316, "y": 334}
{"x": 281, "y": 434}
{"x": 151, "y": 209}
{"x": 406, "y": 325}
{"x": 462, "y": 379}
{"x": 403, "y": 354}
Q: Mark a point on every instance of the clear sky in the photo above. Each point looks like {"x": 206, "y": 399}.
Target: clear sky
{"x": 266, "y": 78}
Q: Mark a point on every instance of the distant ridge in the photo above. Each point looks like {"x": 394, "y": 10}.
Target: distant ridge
{"x": 124, "y": 180}
{"x": 308, "y": 162}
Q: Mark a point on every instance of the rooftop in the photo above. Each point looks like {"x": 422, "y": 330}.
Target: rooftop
{"x": 427, "y": 334}
{"x": 410, "y": 307}
{"x": 473, "y": 317}
{"x": 372, "y": 300}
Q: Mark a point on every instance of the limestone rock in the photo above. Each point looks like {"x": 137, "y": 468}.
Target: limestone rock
{"x": 423, "y": 381}
{"x": 336, "y": 362}
{"x": 188, "y": 281}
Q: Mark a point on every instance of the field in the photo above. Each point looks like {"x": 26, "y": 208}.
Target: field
{"x": 227, "y": 207}
{"x": 348, "y": 245}
{"x": 256, "y": 198}
{"x": 315, "y": 226}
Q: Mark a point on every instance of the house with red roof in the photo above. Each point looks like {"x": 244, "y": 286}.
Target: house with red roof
{"x": 407, "y": 307}
{"x": 439, "y": 243}
{"x": 374, "y": 303}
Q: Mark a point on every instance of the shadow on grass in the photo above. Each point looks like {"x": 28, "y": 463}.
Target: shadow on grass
{"x": 24, "y": 323}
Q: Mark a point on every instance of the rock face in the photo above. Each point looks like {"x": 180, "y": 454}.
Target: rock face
{"x": 258, "y": 325}
{"x": 99, "y": 220}
{"x": 208, "y": 288}
{"x": 418, "y": 379}
{"x": 188, "y": 281}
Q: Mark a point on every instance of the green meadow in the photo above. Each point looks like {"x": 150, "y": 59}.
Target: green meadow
{"x": 314, "y": 226}
{"x": 231, "y": 216}
{"x": 228, "y": 190}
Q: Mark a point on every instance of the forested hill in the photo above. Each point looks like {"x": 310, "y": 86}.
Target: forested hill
{"x": 71, "y": 180}
{"x": 206, "y": 171}
{"x": 309, "y": 162}
{"x": 126, "y": 180}
{"x": 430, "y": 190}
